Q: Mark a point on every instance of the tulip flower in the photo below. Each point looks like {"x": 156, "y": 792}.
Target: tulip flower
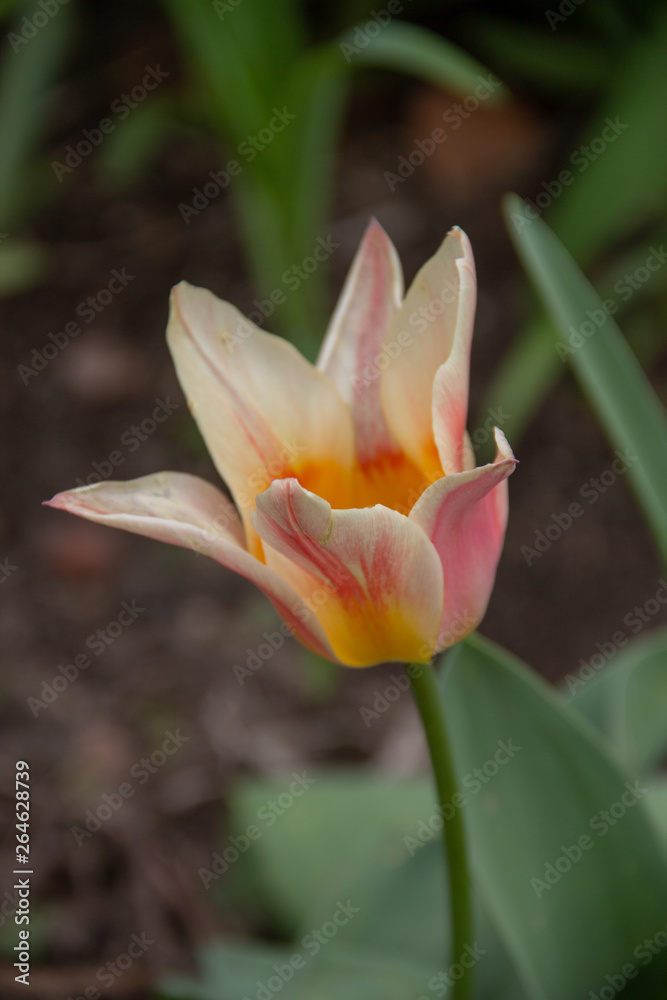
{"x": 357, "y": 508}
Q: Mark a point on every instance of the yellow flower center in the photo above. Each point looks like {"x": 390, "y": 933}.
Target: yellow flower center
{"x": 391, "y": 479}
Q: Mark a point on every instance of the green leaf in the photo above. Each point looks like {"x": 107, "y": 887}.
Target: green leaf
{"x": 229, "y": 969}
{"x": 527, "y": 371}
{"x": 567, "y": 922}
{"x": 316, "y": 90}
{"x": 269, "y": 33}
{"x": 227, "y": 68}
{"x": 261, "y": 203}
{"x": 408, "y": 48}
{"x": 233, "y": 971}
{"x": 403, "y": 913}
{"x": 397, "y": 890}
{"x": 657, "y": 803}
{"x": 366, "y": 839}
{"x": 309, "y": 852}
{"x": 627, "y": 700}
{"x": 619, "y": 391}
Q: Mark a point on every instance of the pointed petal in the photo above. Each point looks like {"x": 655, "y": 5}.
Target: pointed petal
{"x": 351, "y": 351}
{"x": 465, "y": 515}
{"x": 425, "y": 389}
{"x": 263, "y": 410}
{"x": 187, "y": 511}
{"x": 376, "y": 580}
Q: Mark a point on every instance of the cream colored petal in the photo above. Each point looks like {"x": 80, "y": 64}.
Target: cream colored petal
{"x": 425, "y": 388}
{"x": 263, "y": 410}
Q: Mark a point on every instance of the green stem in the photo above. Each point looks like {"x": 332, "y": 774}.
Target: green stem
{"x": 425, "y": 690}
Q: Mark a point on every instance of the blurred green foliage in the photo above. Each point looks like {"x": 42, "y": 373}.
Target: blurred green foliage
{"x": 556, "y": 873}
{"x": 611, "y": 377}
{"x": 615, "y": 206}
{"x": 28, "y": 74}
{"x": 251, "y": 59}
{"x": 268, "y": 94}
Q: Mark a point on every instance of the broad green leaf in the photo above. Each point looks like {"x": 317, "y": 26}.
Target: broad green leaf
{"x": 403, "y": 912}
{"x": 657, "y": 803}
{"x": 355, "y": 844}
{"x": 312, "y": 850}
{"x": 611, "y": 377}
{"x": 623, "y": 691}
{"x": 229, "y": 969}
{"x": 574, "y": 877}
{"x": 421, "y": 53}
{"x": 298, "y": 972}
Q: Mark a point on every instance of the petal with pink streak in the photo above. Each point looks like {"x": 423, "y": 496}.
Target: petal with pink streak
{"x": 465, "y": 515}
{"x": 376, "y": 578}
{"x": 425, "y": 388}
{"x": 352, "y": 348}
{"x": 184, "y": 510}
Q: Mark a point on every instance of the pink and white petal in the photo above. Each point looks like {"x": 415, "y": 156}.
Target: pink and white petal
{"x": 376, "y": 578}
{"x": 425, "y": 388}
{"x": 465, "y": 516}
{"x": 263, "y": 410}
{"x": 184, "y": 510}
{"x": 353, "y": 343}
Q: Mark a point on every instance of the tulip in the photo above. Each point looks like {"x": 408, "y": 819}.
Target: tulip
{"x": 357, "y": 508}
